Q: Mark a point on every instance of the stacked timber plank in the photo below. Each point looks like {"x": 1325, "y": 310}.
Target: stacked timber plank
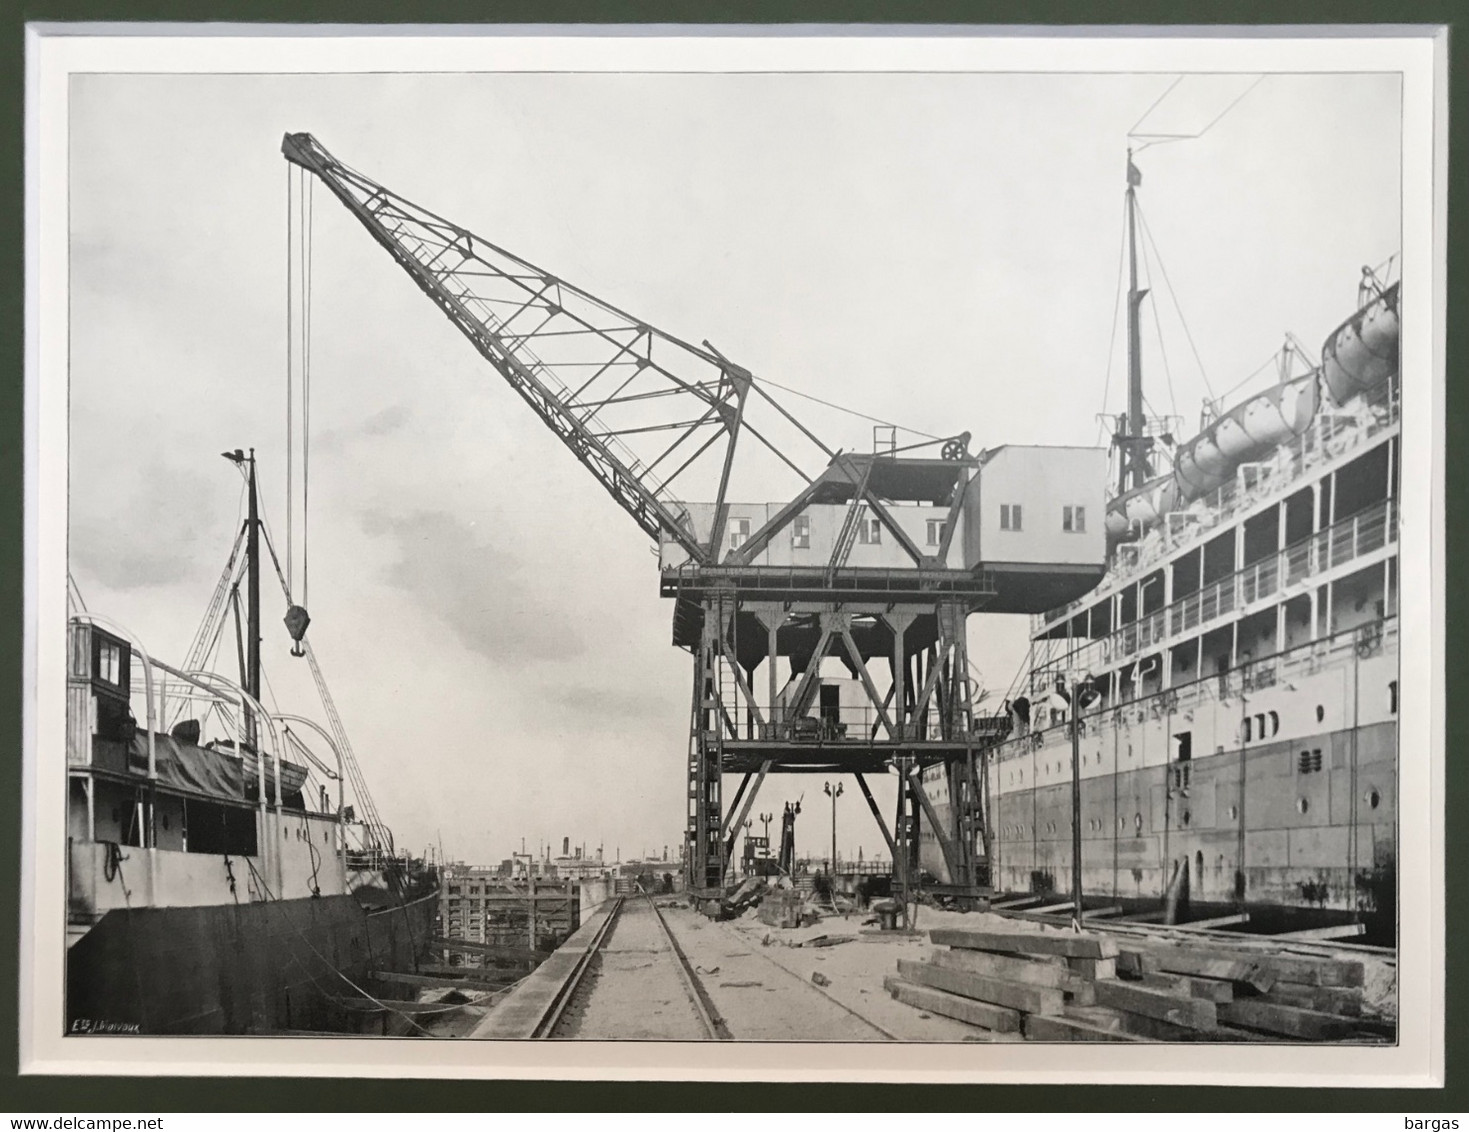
{"x": 1078, "y": 986}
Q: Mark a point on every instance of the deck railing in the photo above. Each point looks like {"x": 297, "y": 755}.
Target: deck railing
{"x": 1353, "y": 538}
{"x": 1333, "y": 435}
{"x": 1304, "y": 660}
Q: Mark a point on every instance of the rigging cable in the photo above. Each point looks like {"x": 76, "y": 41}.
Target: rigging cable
{"x": 309, "y": 233}
{"x": 1156, "y": 103}
{"x": 1172, "y": 294}
{"x": 1116, "y": 310}
{"x": 1163, "y": 139}
{"x": 1158, "y": 331}
{"x": 844, "y": 409}
{"x": 290, "y": 390}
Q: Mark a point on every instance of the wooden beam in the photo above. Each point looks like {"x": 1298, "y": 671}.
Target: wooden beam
{"x": 1216, "y": 922}
{"x": 1307, "y": 1025}
{"x": 1069, "y": 944}
{"x": 1192, "y": 1013}
{"x": 1028, "y": 997}
{"x": 1046, "y": 1028}
{"x": 1339, "y": 931}
{"x": 935, "y": 1001}
{"x": 1016, "y": 902}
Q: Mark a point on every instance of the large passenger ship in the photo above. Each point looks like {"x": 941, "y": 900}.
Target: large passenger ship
{"x": 1235, "y": 673}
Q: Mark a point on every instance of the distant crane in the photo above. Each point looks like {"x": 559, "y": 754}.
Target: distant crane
{"x": 877, "y": 559}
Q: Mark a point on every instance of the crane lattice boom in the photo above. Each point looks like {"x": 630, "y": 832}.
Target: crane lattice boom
{"x": 605, "y": 382}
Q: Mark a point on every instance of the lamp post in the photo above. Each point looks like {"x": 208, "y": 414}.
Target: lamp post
{"x": 749, "y": 825}
{"x": 1077, "y": 688}
{"x": 834, "y": 793}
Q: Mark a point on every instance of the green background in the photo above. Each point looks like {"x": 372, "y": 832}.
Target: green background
{"x": 139, "y": 1096}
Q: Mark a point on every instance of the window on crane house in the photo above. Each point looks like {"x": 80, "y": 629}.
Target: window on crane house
{"x": 739, "y": 533}
{"x": 1009, "y": 516}
{"x": 936, "y": 529}
{"x": 801, "y": 532}
{"x": 870, "y": 532}
{"x": 1073, "y": 519}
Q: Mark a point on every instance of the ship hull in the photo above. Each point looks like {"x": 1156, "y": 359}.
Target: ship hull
{"x": 258, "y": 967}
{"x": 1151, "y": 837}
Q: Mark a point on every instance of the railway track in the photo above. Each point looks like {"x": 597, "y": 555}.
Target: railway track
{"x": 575, "y": 1011}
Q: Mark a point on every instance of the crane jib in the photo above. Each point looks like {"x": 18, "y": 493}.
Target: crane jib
{"x": 424, "y": 246}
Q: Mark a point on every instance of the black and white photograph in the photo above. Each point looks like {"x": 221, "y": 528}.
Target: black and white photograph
{"x": 880, "y": 553}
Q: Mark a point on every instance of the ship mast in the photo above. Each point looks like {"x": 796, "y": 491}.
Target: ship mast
{"x": 252, "y": 562}
{"x": 1134, "y": 468}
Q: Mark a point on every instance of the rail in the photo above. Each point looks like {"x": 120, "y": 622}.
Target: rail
{"x": 546, "y": 1025}
{"x": 709, "y": 1019}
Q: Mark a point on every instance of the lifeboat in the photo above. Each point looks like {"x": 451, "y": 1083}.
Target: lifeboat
{"x": 1363, "y": 351}
{"x": 1358, "y": 356}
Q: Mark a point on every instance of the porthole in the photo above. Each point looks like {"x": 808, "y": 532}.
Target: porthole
{"x": 1121, "y": 824}
{"x": 1188, "y": 816}
{"x": 1233, "y": 813}
{"x": 1374, "y": 799}
{"x": 1320, "y": 713}
{"x": 1302, "y": 805}
{"x": 1137, "y": 821}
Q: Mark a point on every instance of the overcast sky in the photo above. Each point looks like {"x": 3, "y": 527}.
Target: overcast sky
{"x": 940, "y": 251}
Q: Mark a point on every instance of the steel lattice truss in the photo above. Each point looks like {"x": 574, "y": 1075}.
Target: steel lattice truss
{"x": 638, "y": 407}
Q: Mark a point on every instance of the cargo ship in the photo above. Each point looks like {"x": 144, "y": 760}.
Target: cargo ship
{"x": 1233, "y": 677}
{"x": 219, "y": 882}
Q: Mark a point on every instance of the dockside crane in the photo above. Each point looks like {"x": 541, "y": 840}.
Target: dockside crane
{"x": 876, "y": 560}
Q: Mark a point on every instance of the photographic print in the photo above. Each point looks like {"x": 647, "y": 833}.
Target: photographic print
{"x": 785, "y": 551}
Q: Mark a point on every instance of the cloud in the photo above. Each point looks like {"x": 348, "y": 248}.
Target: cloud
{"x": 615, "y": 705}
{"x": 483, "y": 592}
{"x": 384, "y": 422}
{"x": 147, "y": 526}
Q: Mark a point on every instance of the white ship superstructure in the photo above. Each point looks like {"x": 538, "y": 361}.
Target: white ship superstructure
{"x": 1236, "y": 668}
